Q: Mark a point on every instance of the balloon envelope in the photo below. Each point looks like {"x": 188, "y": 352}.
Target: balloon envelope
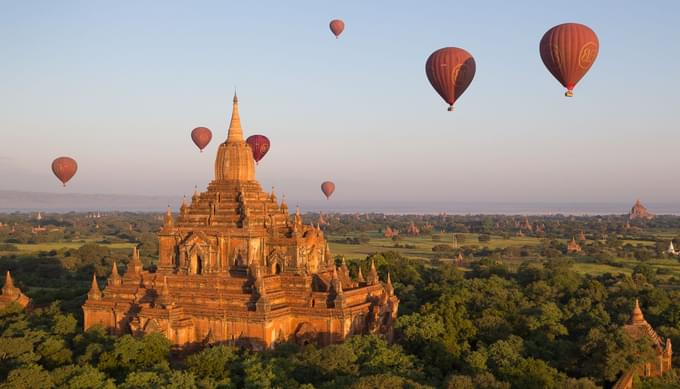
{"x": 64, "y": 168}
{"x": 450, "y": 71}
{"x": 201, "y": 137}
{"x": 259, "y": 144}
{"x": 337, "y": 27}
{"x": 328, "y": 188}
{"x": 568, "y": 51}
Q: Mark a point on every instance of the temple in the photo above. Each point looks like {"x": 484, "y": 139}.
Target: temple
{"x": 639, "y": 211}
{"x": 235, "y": 267}
{"x": 12, "y": 294}
{"x": 638, "y": 328}
{"x": 573, "y": 247}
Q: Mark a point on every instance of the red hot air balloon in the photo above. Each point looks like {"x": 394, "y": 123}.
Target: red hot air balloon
{"x": 337, "y": 27}
{"x": 201, "y": 137}
{"x": 260, "y": 145}
{"x": 328, "y": 188}
{"x": 64, "y": 168}
{"x": 568, "y": 51}
{"x": 450, "y": 71}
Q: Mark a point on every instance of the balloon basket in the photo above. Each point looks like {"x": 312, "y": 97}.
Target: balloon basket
{"x": 450, "y": 108}
{"x": 569, "y": 93}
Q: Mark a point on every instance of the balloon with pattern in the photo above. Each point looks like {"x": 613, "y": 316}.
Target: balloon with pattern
{"x": 450, "y": 70}
{"x": 568, "y": 51}
{"x": 260, "y": 146}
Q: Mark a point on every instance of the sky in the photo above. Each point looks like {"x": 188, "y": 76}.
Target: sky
{"x": 119, "y": 86}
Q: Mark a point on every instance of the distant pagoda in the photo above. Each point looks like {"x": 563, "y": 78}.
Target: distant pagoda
{"x": 234, "y": 267}
{"x": 413, "y": 230}
{"x": 573, "y": 247}
{"x": 11, "y": 294}
{"x": 389, "y": 232}
{"x": 639, "y": 211}
{"x": 581, "y": 236}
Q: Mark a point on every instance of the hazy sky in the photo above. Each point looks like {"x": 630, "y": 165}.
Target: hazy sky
{"x": 119, "y": 86}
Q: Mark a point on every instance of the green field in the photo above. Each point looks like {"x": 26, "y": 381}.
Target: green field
{"x": 38, "y": 247}
{"x": 378, "y": 243}
{"x": 424, "y": 245}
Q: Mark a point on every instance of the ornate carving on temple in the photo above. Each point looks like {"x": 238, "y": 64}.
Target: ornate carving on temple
{"x": 12, "y": 294}
{"x": 639, "y": 211}
{"x": 235, "y": 267}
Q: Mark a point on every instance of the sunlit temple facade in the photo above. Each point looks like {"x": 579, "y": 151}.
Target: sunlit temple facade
{"x": 235, "y": 267}
{"x": 662, "y": 361}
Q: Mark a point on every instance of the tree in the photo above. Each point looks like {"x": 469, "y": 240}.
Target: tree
{"x": 28, "y": 377}
{"x": 130, "y": 354}
{"x": 80, "y": 377}
{"x": 387, "y": 381}
{"x": 213, "y": 363}
{"x": 256, "y": 374}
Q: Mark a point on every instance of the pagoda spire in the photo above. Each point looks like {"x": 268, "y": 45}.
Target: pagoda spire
{"x": 343, "y": 266}
{"x": 637, "y": 317}
{"x": 9, "y": 282}
{"x": 136, "y": 263}
{"x": 114, "y": 279}
{"x": 164, "y": 298}
{"x": 335, "y": 282}
{"x": 388, "y": 286}
{"x": 235, "y": 131}
{"x": 360, "y": 276}
{"x": 373, "y": 274}
{"x": 169, "y": 220}
{"x": 9, "y": 288}
{"x": 94, "y": 293}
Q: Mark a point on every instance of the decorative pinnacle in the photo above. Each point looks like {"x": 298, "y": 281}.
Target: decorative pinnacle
{"x": 94, "y": 292}
{"x": 235, "y": 133}
{"x": 9, "y": 283}
{"x": 637, "y": 317}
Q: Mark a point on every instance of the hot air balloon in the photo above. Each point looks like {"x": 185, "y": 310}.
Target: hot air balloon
{"x": 337, "y": 26}
{"x": 201, "y": 137}
{"x": 259, "y": 144}
{"x": 568, "y": 51}
{"x": 64, "y": 168}
{"x": 328, "y": 188}
{"x": 450, "y": 71}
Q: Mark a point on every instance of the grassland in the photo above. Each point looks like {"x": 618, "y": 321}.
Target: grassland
{"x": 38, "y": 247}
{"x": 423, "y": 250}
{"x": 423, "y": 244}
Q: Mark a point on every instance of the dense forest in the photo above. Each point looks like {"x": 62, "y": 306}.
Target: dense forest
{"x": 537, "y": 325}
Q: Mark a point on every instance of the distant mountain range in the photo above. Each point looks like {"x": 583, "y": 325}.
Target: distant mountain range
{"x": 11, "y": 201}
